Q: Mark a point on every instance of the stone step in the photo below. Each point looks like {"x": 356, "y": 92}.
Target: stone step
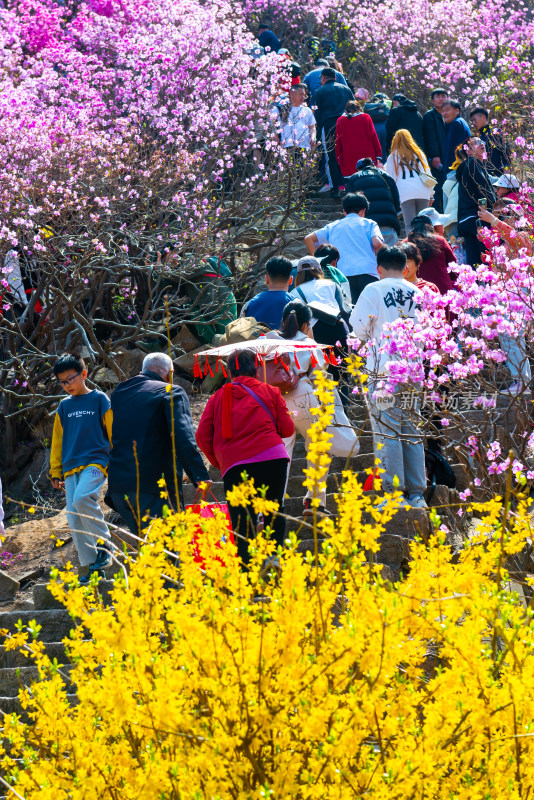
{"x": 43, "y": 599}
{"x": 55, "y": 624}
{"x": 12, "y": 705}
{"x": 13, "y": 658}
{"x": 294, "y": 486}
{"x": 394, "y": 551}
{"x": 299, "y": 458}
{"x": 14, "y": 679}
{"x": 359, "y": 463}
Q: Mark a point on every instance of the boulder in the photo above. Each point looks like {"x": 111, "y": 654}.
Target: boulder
{"x": 129, "y": 361}
{"x": 32, "y": 479}
{"x": 185, "y": 340}
{"x": 8, "y": 587}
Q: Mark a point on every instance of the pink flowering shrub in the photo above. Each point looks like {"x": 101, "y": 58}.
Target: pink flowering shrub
{"x": 452, "y": 358}
{"x": 479, "y": 52}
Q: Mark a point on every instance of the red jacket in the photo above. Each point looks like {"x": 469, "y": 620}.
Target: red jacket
{"x": 234, "y": 426}
{"x": 355, "y": 138}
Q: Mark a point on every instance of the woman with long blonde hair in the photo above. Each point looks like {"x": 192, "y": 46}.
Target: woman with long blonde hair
{"x": 408, "y": 166}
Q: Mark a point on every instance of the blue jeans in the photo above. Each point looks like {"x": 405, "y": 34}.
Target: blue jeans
{"x": 84, "y": 515}
{"x": 390, "y": 236}
{"x": 402, "y": 453}
{"x": 380, "y": 128}
{"x": 516, "y": 357}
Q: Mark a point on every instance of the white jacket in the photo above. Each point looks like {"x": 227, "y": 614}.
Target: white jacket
{"x": 380, "y": 302}
{"x": 409, "y": 184}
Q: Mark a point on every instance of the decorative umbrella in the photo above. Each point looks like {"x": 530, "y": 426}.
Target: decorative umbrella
{"x": 265, "y": 349}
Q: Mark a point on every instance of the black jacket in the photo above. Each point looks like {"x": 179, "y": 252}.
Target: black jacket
{"x": 381, "y": 192}
{"x": 497, "y": 150}
{"x": 330, "y": 100}
{"x": 142, "y": 413}
{"x": 405, "y": 116}
{"x": 434, "y": 135}
{"x": 269, "y": 39}
{"x": 473, "y": 184}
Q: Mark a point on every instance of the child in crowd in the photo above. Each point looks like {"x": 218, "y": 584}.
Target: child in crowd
{"x": 414, "y": 260}
{"x": 401, "y": 452}
{"x": 79, "y": 459}
{"x": 267, "y": 306}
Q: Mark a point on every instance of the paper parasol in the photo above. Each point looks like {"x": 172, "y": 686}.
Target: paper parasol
{"x": 264, "y": 348}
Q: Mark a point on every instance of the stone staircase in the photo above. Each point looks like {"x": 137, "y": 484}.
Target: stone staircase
{"x": 319, "y": 210}
{"x": 17, "y": 671}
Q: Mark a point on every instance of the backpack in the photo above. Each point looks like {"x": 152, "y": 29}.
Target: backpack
{"x": 438, "y": 471}
{"x": 379, "y": 112}
{"x": 324, "y": 315}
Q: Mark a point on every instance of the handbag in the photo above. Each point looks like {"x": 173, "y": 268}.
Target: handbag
{"x": 207, "y": 511}
{"x": 428, "y": 180}
{"x": 279, "y": 373}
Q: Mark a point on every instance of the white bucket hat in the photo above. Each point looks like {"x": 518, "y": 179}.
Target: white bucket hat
{"x": 434, "y": 216}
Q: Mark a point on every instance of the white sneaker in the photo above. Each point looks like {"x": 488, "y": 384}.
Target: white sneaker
{"x": 326, "y": 188}
{"x": 416, "y": 501}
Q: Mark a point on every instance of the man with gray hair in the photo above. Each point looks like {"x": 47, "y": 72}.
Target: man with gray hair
{"x": 144, "y": 410}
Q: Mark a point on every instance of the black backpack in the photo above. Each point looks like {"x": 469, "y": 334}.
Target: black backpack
{"x": 439, "y": 472}
{"x": 379, "y": 112}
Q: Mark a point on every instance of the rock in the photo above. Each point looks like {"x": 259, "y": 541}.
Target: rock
{"x": 43, "y": 599}
{"x": 129, "y": 361}
{"x": 409, "y": 523}
{"x": 185, "y": 340}
{"x": 55, "y": 625}
{"x": 186, "y": 361}
{"x": 35, "y": 534}
{"x": 8, "y": 587}
{"x": 28, "y": 577}
{"x": 186, "y": 385}
{"x": 34, "y": 478}
{"x": 394, "y": 550}
{"x": 462, "y": 478}
{"x": 210, "y": 384}
{"x": 106, "y": 377}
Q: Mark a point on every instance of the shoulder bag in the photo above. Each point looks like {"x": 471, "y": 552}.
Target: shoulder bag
{"x": 280, "y": 374}
{"x": 320, "y": 312}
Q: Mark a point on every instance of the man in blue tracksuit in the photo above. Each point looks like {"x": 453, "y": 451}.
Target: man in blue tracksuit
{"x": 330, "y": 102}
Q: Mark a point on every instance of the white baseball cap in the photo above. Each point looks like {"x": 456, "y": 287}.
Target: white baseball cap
{"x": 507, "y": 182}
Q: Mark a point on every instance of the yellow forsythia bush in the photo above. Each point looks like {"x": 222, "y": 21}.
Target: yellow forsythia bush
{"x": 322, "y": 681}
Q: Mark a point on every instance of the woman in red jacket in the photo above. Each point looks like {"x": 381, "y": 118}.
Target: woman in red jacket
{"x": 355, "y": 138}
{"x": 241, "y": 430}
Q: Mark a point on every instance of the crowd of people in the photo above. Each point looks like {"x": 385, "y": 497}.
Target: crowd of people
{"x": 419, "y": 193}
{"x": 405, "y": 159}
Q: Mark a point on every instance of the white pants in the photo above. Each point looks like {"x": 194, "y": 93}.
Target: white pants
{"x": 82, "y": 490}
{"x": 344, "y": 441}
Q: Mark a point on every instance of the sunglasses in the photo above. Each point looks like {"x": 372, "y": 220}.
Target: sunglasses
{"x": 68, "y": 381}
